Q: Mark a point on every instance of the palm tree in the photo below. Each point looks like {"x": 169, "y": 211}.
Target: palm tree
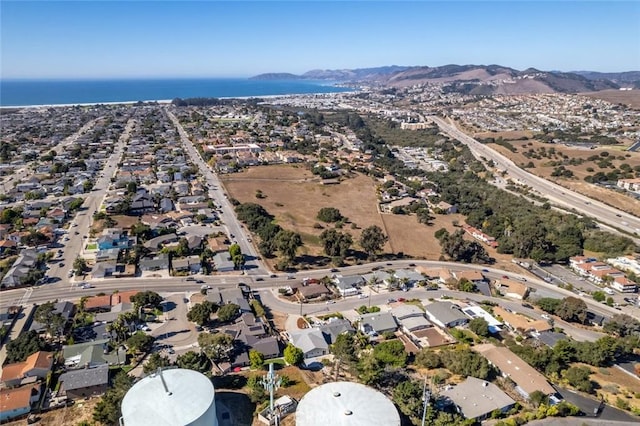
{"x": 374, "y": 281}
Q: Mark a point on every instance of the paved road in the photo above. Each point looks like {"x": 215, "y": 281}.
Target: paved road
{"x": 556, "y": 194}
{"x": 63, "y": 291}
{"x": 216, "y": 192}
{"x": 80, "y": 225}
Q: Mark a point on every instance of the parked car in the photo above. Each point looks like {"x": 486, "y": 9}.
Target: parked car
{"x": 391, "y": 300}
{"x": 190, "y": 279}
{"x": 362, "y": 296}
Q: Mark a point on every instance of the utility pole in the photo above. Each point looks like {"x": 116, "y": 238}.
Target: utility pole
{"x": 271, "y": 382}
{"x": 426, "y": 394}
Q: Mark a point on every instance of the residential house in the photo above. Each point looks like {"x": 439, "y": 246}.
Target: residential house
{"x": 511, "y": 288}
{"x": 520, "y": 323}
{"x": 154, "y": 264}
{"x": 377, "y": 323}
{"x": 37, "y": 365}
{"x": 223, "y": 262}
{"x": 335, "y": 327}
{"x": 348, "y": 286}
{"x": 480, "y": 236}
{"x": 115, "y": 238}
{"x": 311, "y": 341}
{"x": 189, "y": 264}
{"x": 312, "y": 290}
{"x": 445, "y": 314}
{"x": 410, "y": 317}
{"x": 408, "y": 277}
{"x": 92, "y": 354}
{"x": 477, "y": 399}
{"x": 526, "y": 378}
{"x": 20, "y": 268}
{"x": 85, "y": 382}
{"x": 17, "y": 402}
{"x": 446, "y": 208}
{"x": 474, "y": 312}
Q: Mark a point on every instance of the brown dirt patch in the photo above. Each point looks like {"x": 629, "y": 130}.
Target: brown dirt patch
{"x": 68, "y": 416}
{"x": 294, "y": 196}
{"x": 609, "y": 378}
{"x": 544, "y": 169}
{"x": 279, "y": 320}
{"x": 302, "y": 323}
{"x": 627, "y": 97}
{"x": 506, "y": 135}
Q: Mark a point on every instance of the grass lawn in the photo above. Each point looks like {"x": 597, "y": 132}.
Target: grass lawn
{"x": 92, "y": 246}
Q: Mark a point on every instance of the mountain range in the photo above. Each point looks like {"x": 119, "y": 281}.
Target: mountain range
{"x": 474, "y": 79}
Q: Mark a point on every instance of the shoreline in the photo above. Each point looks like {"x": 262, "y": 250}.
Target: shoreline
{"x": 168, "y": 101}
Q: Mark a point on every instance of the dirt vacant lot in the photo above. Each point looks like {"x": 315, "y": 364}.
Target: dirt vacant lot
{"x": 294, "y": 196}
{"x": 544, "y": 169}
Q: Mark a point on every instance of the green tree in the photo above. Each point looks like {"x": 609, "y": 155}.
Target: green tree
{"x": 391, "y": 352}
{"x": 428, "y": 358}
{"x": 218, "y": 346}
{"x": 24, "y": 345}
{"x": 80, "y": 265}
{"x": 538, "y": 398}
{"x": 622, "y": 325}
{"x": 155, "y": 361}
{"x": 572, "y": 309}
{"x": 228, "y": 312}
{"x": 200, "y": 313}
{"x": 148, "y": 298}
{"x": 53, "y": 321}
{"x": 549, "y": 304}
{"x": 407, "y": 396}
{"x": 369, "y": 368}
{"x": 256, "y": 359}
{"x": 293, "y": 355}
{"x": 344, "y": 348}
{"x": 599, "y": 296}
{"x": 107, "y": 410}
{"x": 372, "y": 240}
{"x": 329, "y": 214}
{"x": 335, "y": 243}
{"x": 578, "y": 377}
{"x": 194, "y": 361}
{"x": 139, "y": 342}
{"x": 479, "y": 326}
{"x": 287, "y": 243}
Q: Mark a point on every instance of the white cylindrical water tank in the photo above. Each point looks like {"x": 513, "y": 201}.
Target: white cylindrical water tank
{"x": 348, "y": 404}
{"x": 170, "y": 397}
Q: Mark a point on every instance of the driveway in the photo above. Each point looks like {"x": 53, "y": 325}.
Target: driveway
{"x": 176, "y": 330}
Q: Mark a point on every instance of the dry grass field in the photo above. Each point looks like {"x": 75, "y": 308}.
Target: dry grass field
{"x": 68, "y": 416}
{"x": 626, "y": 97}
{"x": 294, "y": 197}
{"x": 544, "y": 169}
{"x": 617, "y": 384}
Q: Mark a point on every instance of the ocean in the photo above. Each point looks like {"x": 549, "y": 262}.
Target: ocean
{"x": 61, "y": 92}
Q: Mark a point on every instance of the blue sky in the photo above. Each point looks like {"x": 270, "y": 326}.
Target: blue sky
{"x": 88, "y": 39}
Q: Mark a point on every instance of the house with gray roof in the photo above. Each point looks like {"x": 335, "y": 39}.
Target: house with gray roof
{"x": 477, "y": 399}
{"x": 377, "y": 323}
{"x": 158, "y": 263}
{"x": 86, "y": 382}
{"x": 349, "y": 286}
{"x": 411, "y": 318}
{"x": 311, "y": 341}
{"x": 92, "y": 354}
{"x": 20, "y": 268}
{"x": 445, "y": 314}
{"x": 335, "y": 327}
{"x": 223, "y": 262}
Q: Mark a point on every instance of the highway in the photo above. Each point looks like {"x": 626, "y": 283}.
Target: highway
{"x": 235, "y": 229}
{"x": 556, "y": 194}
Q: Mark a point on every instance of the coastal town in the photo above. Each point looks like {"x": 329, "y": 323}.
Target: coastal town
{"x": 346, "y": 237}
